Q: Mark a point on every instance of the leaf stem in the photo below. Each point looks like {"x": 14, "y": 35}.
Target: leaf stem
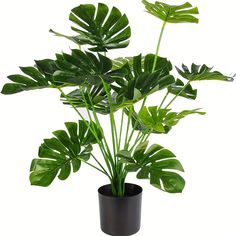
{"x": 100, "y": 165}
{"x": 89, "y": 127}
{"x": 121, "y": 127}
{"x": 105, "y": 154}
{"x": 136, "y": 122}
{"x": 127, "y": 128}
{"x": 112, "y": 120}
{"x": 172, "y": 100}
{"x": 93, "y": 166}
{"x": 158, "y": 46}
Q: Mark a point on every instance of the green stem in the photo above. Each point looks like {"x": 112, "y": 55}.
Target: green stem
{"x": 127, "y": 128}
{"x": 158, "y": 46}
{"x": 172, "y": 100}
{"x": 105, "y": 154}
{"x": 87, "y": 124}
{"x": 136, "y": 140}
{"x": 163, "y": 100}
{"x": 153, "y": 69}
{"x": 145, "y": 139}
{"x": 97, "y": 121}
{"x": 121, "y": 127}
{"x": 93, "y": 166}
{"x": 136, "y": 122}
{"x": 101, "y": 165}
{"x": 112, "y": 120}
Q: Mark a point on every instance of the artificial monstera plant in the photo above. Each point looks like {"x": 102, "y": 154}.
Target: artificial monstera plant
{"x": 116, "y": 88}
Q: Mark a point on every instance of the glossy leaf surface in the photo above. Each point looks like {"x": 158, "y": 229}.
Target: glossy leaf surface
{"x": 197, "y": 72}
{"x": 157, "y": 164}
{"x": 172, "y": 13}
{"x": 38, "y": 77}
{"x": 98, "y": 27}
{"x": 63, "y": 153}
{"x": 160, "y": 120}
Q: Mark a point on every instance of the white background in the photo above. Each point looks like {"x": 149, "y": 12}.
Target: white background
{"x": 204, "y": 144}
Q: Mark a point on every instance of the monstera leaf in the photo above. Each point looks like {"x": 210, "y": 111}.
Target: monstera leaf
{"x": 155, "y": 163}
{"x": 140, "y": 80}
{"x": 79, "y": 68}
{"x": 60, "y": 154}
{"x": 94, "y": 96}
{"x": 179, "y": 88}
{"x": 159, "y": 120}
{"x": 99, "y": 28}
{"x": 172, "y": 13}
{"x": 129, "y": 83}
{"x": 38, "y": 77}
{"x": 203, "y": 72}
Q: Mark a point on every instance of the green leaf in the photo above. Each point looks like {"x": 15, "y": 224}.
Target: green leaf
{"x": 62, "y": 153}
{"x": 168, "y": 164}
{"x": 98, "y": 98}
{"x": 125, "y": 157}
{"x": 99, "y": 28}
{"x": 178, "y": 89}
{"x": 171, "y": 181}
{"x": 161, "y": 120}
{"x": 144, "y": 173}
{"x": 172, "y": 13}
{"x": 24, "y": 83}
{"x": 203, "y": 72}
{"x": 128, "y": 83}
{"x": 162, "y": 154}
{"x": 159, "y": 165}
{"x": 139, "y": 151}
{"x": 84, "y": 68}
{"x": 38, "y": 77}
{"x": 140, "y": 80}
{"x": 132, "y": 167}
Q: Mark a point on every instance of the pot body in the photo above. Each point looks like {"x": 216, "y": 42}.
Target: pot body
{"x": 120, "y": 216}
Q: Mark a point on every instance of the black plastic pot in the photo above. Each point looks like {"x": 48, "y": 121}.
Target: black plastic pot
{"x": 120, "y": 216}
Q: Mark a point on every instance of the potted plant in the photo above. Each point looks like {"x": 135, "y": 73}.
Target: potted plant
{"x": 118, "y": 88}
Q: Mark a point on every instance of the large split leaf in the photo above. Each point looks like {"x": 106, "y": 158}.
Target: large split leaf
{"x": 85, "y": 68}
{"x": 157, "y": 164}
{"x": 99, "y": 28}
{"x": 129, "y": 82}
{"x": 140, "y": 79}
{"x": 172, "y": 13}
{"x": 203, "y": 72}
{"x": 60, "y": 154}
{"x": 160, "y": 120}
{"x": 38, "y": 77}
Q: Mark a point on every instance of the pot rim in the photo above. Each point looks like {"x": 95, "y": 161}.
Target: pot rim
{"x": 140, "y": 190}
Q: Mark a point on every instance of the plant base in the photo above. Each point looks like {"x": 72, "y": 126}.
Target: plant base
{"x": 120, "y": 216}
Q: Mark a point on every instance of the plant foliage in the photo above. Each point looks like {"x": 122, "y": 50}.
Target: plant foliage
{"x": 203, "y": 72}
{"x": 96, "y": 84}
{"x": 60, "y": 154}
{"x": 156, "y": 164}
{"x": 172, "y": 13}
{"x": 101, "y": 29}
